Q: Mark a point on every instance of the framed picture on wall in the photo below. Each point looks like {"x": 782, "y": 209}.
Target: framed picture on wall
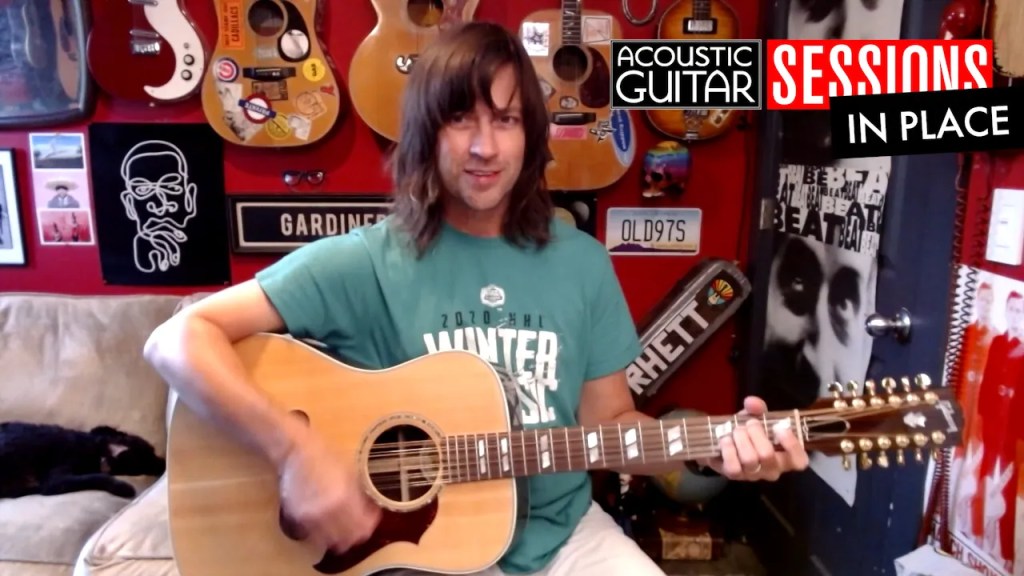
{"x": 12, "y": 240}
{"x": 45, "y": 77}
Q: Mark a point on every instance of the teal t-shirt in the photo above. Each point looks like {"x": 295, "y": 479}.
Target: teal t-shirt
{"x": 553, "y": 318}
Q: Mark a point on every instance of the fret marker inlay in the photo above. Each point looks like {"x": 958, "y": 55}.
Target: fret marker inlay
{"x": 723, "y": 429}
{"x": 545, "y": 454}
{"x": 631, "y": 449}
{"x": 592, "y": 446}
{"x": 675, "y": 441}
{"x": 504, "y": 455}
{"x": 481, "y": 455}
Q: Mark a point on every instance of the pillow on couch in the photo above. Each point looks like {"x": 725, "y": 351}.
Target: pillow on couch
{"x": 135, "y": 542}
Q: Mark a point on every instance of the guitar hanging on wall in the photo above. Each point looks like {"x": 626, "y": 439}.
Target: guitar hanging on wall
{"x": 383, "y": 60}
{"x": 696, "y": 20}
{"x": 147, "y": 50}
{"x": 447, "y": 464}
{"x": 593, "y": 145}
{"x": 270, "y": 82}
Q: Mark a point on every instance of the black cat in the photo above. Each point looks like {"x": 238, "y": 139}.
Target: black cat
{"x": 48, "y": 459}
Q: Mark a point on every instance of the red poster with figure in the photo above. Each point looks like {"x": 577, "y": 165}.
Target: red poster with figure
{"x": 986, "y": 489}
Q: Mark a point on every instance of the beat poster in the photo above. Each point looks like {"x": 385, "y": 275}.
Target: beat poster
{"x": 827, "y": 219}
{"x": 986, "y": 489}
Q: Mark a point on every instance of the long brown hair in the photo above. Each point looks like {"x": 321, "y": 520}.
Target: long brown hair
{"x": 454, "y": 71}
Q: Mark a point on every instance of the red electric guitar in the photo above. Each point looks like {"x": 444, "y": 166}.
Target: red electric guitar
{"x": 145, "y": 50}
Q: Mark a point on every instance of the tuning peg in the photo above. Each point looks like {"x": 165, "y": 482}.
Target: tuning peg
{"x": 846, "y": 461}
{"x": 935, "y": 453}
{"x": 837, "y": 392}
{"x": 869, "y": 387}
{"x": 883, "y": 460}
{"x": 884, "y": 443}
{"x": 923, "y": 381}
{"x": 901, "y": 442}
{"x": 852, "y": 388}
{"x": 938, "y": 437}
{"x": 920, "y": 440}
{"x": 889, "y": 384}
{"x": 905, "y": 383}
{"x": 865, "y": 461}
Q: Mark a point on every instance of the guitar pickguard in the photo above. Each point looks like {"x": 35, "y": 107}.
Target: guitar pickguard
{"x": 393, "y": 527}
{"x": 167, "y": 20}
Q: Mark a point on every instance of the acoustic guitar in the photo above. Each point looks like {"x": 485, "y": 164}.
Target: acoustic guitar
{"x": 696, "y": 20}
{"x": 436, "y": 445}
{"x": 1003, "y": 21}
{"x": 147, "y": 51}
{"x": 271, "y": 83}
{"x": 593, "y": 145}
{"x": 382, "y": 61}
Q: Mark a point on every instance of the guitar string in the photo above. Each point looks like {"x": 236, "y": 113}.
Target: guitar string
{"x": 655, "y": 427}
{"x": 469, "y": 468}
{"x": 470, "y": 475}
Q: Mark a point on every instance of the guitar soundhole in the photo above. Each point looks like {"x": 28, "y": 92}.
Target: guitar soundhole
{"x": 570, "y": 63}
{"x": 403, "y": 463}
{"x": 266, "y": 18}
{"x": 425, "y": 13}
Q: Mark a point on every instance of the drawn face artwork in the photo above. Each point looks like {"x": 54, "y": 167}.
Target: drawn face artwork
{"x": 1015, "y": 316}
{"x": 159, "y": 198}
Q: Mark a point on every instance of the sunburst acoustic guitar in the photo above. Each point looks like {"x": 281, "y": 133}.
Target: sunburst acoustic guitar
{"x": 447, "y": 463}
{"x": 270, "y": 82}
{"x": 593, "y": 145}
{"x": 381, "y": 63}
{"x": 146, "y": 51}
{"x": 696, "y": 20}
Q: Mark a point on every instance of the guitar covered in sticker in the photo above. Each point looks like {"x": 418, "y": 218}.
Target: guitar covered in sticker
{"x": 593, "y": 145}
{"x": 147, "y": 51}
{"x": 270, "y": 82}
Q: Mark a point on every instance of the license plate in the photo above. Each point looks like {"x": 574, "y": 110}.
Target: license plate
{"x": 653, "y": 231}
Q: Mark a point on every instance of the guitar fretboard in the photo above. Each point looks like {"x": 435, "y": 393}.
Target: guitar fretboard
{"x": 571, "y": 22}
{"x": 475, "y": 457}
{"x": 702, "y": 9}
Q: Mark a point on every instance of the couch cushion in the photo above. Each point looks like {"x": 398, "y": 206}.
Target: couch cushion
{"x": 136, "y": 542}
{"x": 52, "y": 529}
{"x": 77, "y": 361}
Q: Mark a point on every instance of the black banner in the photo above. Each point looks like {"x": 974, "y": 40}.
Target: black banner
{"x": 927, "y": 122}
{"x": 280, "y": 224}
{"x": 686, "y": 74}
{"x": 697, "y": 306}
{"x": 158, "y": 190}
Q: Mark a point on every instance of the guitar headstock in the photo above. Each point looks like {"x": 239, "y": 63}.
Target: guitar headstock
{"x": 888, "y": 419}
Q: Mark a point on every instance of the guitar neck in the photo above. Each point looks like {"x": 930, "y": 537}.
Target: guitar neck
{"x": 702, "y": 9}
{"x": 475, "y": 457}
{"x": 572, "y": 22}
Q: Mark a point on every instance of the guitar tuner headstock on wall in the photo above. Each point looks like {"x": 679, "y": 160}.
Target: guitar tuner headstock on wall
{"x": 890, "y": 419}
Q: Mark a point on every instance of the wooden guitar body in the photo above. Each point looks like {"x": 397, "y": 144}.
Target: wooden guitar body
{"x": 271, "y": 83}
{"x": 382, "y": 61}
{"x": 696, "y": 20}
{"x": 223, "y": 500}
{"x": 145, "y": 51}
{"x": 593, "y": 146}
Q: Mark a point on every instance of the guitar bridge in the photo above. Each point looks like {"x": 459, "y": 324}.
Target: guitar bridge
{"x": 144, "y": 43}
{"x": 700, "y": 25}
{"x": 573, "y": 118}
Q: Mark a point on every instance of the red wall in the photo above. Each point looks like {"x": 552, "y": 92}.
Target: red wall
{"x": 989, "y": 171}
{"x": 720, "y": 185}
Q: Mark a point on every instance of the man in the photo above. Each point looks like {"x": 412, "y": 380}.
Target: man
{"x": 471, "y": 258}
{"x": 63, "y": 197}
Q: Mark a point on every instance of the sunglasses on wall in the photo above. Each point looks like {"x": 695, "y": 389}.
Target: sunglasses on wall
{"x": 293, "y": 178}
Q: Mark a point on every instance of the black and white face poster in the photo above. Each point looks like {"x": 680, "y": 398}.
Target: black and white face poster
{"x": 823, "y": 272}
{"x": 159, "y": 195}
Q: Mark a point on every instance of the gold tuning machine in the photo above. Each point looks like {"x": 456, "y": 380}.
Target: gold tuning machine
{"x": 865, "y": 461}
{"x": 889, "y": 384}
{"x": 854, "y": 389}
{"x": 847, "y": 447}
{"x": 837, "y": 392}
{"x": 901, "y": 442}
{"x": 912, "y": 398}
{"x": 884, "y": 443}
{"x": 905, "y": 383}
{"x": 869, "y": 387}
{"x": 923, "y": 381}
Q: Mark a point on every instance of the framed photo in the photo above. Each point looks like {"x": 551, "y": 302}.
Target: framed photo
{"x": 279, "y": 224}
{"x": 12, "y": 238}
{"x": 48, "y": 82}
